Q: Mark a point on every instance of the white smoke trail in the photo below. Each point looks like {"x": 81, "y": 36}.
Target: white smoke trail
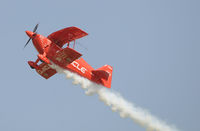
{"x": 118, "y": 103}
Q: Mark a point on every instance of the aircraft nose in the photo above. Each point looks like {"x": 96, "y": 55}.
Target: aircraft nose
{"x": 29, "y": 33}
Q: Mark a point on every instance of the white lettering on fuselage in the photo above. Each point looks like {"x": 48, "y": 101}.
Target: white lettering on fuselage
{"x": 77, "y": 66}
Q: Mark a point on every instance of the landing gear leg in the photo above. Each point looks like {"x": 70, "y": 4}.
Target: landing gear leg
{"x": 43, "y": 58}
{"x": 37, "y": 61}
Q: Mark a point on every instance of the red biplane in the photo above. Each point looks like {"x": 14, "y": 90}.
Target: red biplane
{"x": 50, "y": 50}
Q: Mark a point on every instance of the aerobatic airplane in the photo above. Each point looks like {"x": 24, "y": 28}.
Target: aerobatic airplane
{"x": 50, "y": 50}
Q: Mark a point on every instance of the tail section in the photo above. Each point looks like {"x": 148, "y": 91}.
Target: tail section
{"x": 104, "y": 74}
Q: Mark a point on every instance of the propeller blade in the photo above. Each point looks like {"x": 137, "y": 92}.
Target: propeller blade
{"x": 34, "y": 30}
{"x": 27, "y": 42}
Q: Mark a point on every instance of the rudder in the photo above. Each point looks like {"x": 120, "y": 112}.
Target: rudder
{"x": 105, "y": 74}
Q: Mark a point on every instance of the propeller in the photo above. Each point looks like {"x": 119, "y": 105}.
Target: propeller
{"x": 34, "y": 31}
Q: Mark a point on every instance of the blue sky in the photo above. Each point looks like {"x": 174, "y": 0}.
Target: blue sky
{"x": 153, "y": 47}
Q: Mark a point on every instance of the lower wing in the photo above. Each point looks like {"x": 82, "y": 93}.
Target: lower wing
{"x": 45, "y": 70}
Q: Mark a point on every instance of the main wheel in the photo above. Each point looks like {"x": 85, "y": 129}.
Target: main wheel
{"x": 41, "y": 61}
{"x": 32, "y": 67}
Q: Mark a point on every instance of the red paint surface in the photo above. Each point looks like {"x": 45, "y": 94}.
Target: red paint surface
{"x": 50, "y": 49}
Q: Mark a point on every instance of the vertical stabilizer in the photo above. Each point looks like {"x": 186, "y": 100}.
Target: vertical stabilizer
{"x": 105, "y": 75}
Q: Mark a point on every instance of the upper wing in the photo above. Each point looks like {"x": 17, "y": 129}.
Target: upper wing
{"x": 66, "y": 35}
{"x": 65, "y": 56}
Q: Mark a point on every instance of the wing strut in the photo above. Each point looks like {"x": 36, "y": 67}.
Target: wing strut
{"x": 74, "y": 44}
